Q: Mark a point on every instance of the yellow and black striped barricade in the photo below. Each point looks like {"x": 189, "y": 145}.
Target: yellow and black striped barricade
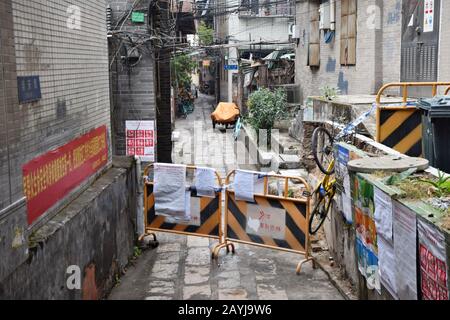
{"x": 206, "y": 212}
{"x": 400, "y": 126}
{"x": 273, "y": 221}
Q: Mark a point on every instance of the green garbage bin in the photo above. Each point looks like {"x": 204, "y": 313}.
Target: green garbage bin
{"x": 436, "y": 131}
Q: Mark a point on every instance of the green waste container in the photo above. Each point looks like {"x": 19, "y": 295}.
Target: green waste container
{"x": 436, "y": 131}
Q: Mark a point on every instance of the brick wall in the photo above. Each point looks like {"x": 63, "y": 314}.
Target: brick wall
{"x": 133, "y": 90}
{"x": 73, "y": 69}
{"x": 72, "y": 63}
{"x": 8, "y": 96}
{"x": 377, "y": 53}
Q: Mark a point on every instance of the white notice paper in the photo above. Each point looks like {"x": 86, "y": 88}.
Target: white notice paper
{"x": 405, "y": 229}
{"x": 383, "y": 214}
{"x": 244, "y": 186}
{"x": 386, "y": 261}
{"x": 192, "y": 217}
{"x": 205, "y": 182}
{"x": 347, "y": 208}
{"x": 170, "y": 190}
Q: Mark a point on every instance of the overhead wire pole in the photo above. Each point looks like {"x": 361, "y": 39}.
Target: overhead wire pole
{"x": 164, "y": 111}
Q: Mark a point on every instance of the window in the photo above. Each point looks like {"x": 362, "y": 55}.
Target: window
{"x": 348, "y": 32}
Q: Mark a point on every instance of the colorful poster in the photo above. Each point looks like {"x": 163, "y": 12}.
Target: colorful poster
{"x": 52, "y": 176}
{"x": 366, "y": 234}
{"x": 266, "y": 221}
{"x": 405, "y": 248}
{"x": 428, "y": 23}
{"x": 141, "y": 140}
{"x": 433, "y": 266}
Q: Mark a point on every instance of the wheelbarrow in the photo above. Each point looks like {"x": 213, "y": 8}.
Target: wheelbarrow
{"x": 226, "y": 114}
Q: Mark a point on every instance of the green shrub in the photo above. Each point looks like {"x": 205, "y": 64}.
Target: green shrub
{"x": 265, "y": 107}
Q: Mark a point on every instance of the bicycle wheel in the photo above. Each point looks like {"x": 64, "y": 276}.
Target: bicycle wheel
{"x": 322, "y": 145}
{"x": 319, "y": 214}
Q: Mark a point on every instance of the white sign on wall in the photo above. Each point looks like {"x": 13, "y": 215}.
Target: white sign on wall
{"x": 428, "y": 23}
{"x": 141, "y": 140}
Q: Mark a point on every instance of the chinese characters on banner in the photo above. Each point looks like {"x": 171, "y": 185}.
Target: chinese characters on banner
{"x": 428, "y": 22}
{"x": 141, "y": 140}
{"x": 52, "y": 176}
{"x": 433, "y": 266}
{"x": 266, "y": 221}
{"x": 366, "y": 233}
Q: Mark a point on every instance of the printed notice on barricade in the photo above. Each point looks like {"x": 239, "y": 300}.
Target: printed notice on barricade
{"x": 266, "y": 221}
{"x": 433, "y": 266}
{"x": 170, "y": 191}
{"x": 192, "y": 211}
{"x": 383, "y": 214}
{"x": 244, "y": 186}
{"x": 205, "y": 182}
{"x": 405, "y": 229}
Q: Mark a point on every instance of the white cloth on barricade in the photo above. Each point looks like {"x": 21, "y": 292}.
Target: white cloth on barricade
{"x": 170, "y": 191}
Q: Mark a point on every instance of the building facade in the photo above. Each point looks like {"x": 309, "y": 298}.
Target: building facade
{"x": 357, "y": 46}
{"x": 250, "y": 27}
{"x": 54, "y": 102}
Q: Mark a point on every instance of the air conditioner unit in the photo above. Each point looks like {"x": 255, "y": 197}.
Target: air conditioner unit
{"x": 291, "y": 29}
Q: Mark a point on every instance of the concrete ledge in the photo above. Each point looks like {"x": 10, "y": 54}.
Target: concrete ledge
{"x": 95, "y": 233}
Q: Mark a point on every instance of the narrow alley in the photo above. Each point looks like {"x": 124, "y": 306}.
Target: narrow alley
{"x": 181, "y": 267}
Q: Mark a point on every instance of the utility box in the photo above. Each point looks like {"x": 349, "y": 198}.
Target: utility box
{"x": 436, "y": 131}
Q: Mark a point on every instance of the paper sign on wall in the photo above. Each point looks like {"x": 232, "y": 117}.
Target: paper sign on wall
{"x": 141, "y": 140}
{"x": 428, "y": 23}
{"x": 405, "y": 229}
{"x": 266, "y": 221}
{"x": 383, "y": 214}
{"x": 433, "y": 266}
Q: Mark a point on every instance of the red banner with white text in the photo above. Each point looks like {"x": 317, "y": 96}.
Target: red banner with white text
{"x": 52, "y": 176}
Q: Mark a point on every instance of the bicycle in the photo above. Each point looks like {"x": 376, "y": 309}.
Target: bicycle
{"x": 323, "y": 143}
{"x": 237, "y": 129}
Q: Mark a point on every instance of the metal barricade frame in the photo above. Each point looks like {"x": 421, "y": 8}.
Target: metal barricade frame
{"x": 401, "y": 129}
{"x": 182, "y": 229}
{"x": 285, "y": 201}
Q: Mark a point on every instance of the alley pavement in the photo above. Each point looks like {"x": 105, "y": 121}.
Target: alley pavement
{"x": 181, "y": 267}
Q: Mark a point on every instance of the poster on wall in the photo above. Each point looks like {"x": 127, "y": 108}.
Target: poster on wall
{"x": 405, "y": 249}
{"x": 428, "y": 23}
{"x": 141, "y": 140}
{"x": 433, "y": 266}
{"x": 366, "y": 233}
{"x": 343, "y": 156}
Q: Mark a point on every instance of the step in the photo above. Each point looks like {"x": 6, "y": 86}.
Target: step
{"x": 286, "y": 144}
{"x": 286, "y": 162}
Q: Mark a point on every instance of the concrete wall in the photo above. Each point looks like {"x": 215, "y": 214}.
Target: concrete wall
{"x": 133, "y": 90}
{"x": 96, "y": 233}
{"x": 377, "y": 54}
{"x": 444, "y": 45}
{"x": 260, "y": 28}
{"x": 42, "y": 39}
